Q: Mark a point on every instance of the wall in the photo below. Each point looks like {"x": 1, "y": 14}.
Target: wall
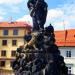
{"x": 70, "y": 61}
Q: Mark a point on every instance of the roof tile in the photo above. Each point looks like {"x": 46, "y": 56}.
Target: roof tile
{"x": 14, "y": 24}
{"x": 65, "y": 39}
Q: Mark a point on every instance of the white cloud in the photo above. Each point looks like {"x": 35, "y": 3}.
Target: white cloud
{"x": 61, "y": 17}
{"x": 11, "y": 7}
{"x": 54, "y": 13}
{"x": 10, "y": 1}
{"x": 1, "y": 18}
{"x": 26, "y": 18}
{"x": 61, "y": 25}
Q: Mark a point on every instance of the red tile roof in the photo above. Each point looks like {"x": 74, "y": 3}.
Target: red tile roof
{"x": 14, "y": 24}
{"x": 65, "y": 38}
{"x": 59, "y": 35}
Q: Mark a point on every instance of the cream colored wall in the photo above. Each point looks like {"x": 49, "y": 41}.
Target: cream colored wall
{"x": 21, "y": 32}
{"x": 74, "y": 69}
{"x": 1, "y": 33}
{"x": 9, "y": 47}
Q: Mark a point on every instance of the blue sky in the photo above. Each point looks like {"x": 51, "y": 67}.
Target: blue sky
{"x": 61, "y": 13}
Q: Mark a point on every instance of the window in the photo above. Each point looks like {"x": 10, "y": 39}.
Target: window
{"x": 14, "y": 42}
{"x": 69, "y": 70}
{"x": 2, "y": 63}
{"x": 13, "y": 53}
{"x": 15, "y": 32}
{"x": 5, "y": 32}
{"x": 4, "y": 42}
{"x": 68, "y": 53}
{"x": 3, "y": 53}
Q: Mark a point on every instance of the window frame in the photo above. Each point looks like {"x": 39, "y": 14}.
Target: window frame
{"x": 5, "y": 32}
{"x": 2, "y": 53}
{"x": 68, "y": 53}
{"x": 2, "y": 63}
{"x": 13, "y": 53}
{"x": 15, "y": 31}
{"x": 14, "y": 42}
{"x": 70, "y": 70}
{"x": 4, "y": 44}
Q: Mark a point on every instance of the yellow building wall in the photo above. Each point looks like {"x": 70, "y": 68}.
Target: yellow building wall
{"x": 9, "y": 47}
{"x": 1, "y": 33}
{"x": 21, "y": 32}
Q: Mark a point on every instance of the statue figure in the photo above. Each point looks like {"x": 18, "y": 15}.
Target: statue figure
{"x": 55, "y": 62}
{"x": 38, "y": 53}
{"x": 39, "y": 50}
{"x": 38, "y": 12}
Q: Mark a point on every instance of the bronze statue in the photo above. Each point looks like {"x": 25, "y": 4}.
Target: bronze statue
{"x": 38, "y": 12}
{"x": 39, "y": 50}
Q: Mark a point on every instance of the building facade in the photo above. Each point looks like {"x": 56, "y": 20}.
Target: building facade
{"x": 11, "y": 37}
{"x": 69, "y": 56}
{"x": 66, "y": 42}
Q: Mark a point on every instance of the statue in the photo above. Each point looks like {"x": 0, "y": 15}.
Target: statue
{"x": 39, "y": 51}
{"x": 38, "y": 12}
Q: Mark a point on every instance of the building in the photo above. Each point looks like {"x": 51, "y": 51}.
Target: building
{"x": 11, "y": 37}
{"x": 66, "y": 42}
